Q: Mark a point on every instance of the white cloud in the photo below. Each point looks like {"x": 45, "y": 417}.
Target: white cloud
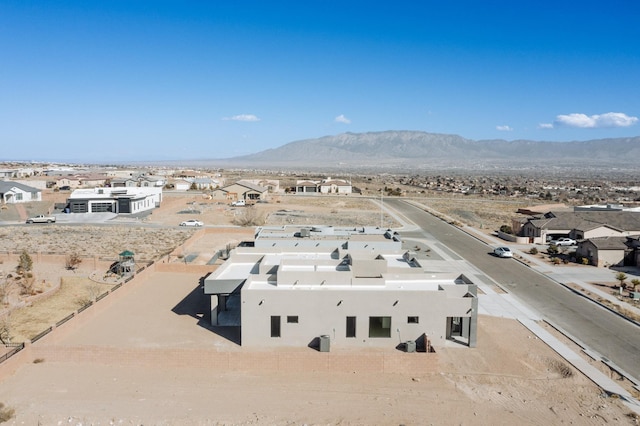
{"x": 609, "y": 119}
{"x": 545, "y": 126}
{"x": 342, "y": 119}
{"x": 242, "y": 117}
{"x": 504, "y": 128}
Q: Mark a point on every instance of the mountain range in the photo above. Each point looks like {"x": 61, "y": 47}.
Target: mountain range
{"x": 415, "y": 150}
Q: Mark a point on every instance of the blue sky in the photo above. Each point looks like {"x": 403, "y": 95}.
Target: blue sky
{"x": 159, "y": 80}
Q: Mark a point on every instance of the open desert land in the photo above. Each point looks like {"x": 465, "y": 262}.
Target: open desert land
{"x": 145, "y": 354}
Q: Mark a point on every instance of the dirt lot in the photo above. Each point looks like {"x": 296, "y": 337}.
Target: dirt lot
{"x": 168, "y": 367}
{"x": 120, "y": 364}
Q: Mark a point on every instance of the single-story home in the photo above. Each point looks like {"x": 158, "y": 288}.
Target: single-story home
{"x": 241, "y": 190}
{"x": 342, "y": 287}
{"x": 15, "y": 192}
{"x": 325, "y": 186}
{"x": 580, "y": 225}
{"x": 127, "y": 200}
{"x": 604, "y": 251}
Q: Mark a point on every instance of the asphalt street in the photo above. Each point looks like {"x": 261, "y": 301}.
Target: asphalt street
{"x": 613, "y": 337}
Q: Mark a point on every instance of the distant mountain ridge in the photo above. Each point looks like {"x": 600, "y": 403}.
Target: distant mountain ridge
{"x": 415, "y": 149}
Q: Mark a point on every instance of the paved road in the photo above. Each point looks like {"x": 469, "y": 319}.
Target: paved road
{"x": 604, "y": 332}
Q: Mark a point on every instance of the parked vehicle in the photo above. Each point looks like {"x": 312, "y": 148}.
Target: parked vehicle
{"x": 503, "y": 252}
{"x": 239, "y": 203}
{"x": 563, "y": 242}
{"x": 191, "y": 222}
{"x": 41, "y": 219}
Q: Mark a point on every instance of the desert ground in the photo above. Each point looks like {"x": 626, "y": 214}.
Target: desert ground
{"x": 163, "y": 365}
{"x": 145, "y": 354}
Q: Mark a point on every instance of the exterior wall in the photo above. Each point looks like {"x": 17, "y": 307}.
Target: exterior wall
{"x": 610, "y": 258}
{"x": 530, "y": 231}
{"x": 221, "y": 195}
{"x": 181, "y": 185}
{"x": 602, "y": 231}
{"x": 322, "y": 312}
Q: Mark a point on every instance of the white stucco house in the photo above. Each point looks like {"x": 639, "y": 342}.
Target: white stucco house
{"x": 324, "y": 186}
{"x": 120, "y": 200}
{"x": 15, "y": 192}
{"x": 353, "y": 287}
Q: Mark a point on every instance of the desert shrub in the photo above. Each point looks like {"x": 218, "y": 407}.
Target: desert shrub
{"x": 556, "y": 261}
{"x": 25, "y": 263}
{"x": 553, "y": 249}
{"x": 250, "y": 216}
{"x": 5, "y": 330}
{"x": 533, "y": 250}
{"x": 585, "y": 261}
{"x": 506, "y": 229}
{"x": 6, "y": 413}
{"x": 565, "y": 260}
{"x": 72, "y": 261}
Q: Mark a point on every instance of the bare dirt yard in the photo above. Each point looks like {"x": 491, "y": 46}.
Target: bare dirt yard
{"x": 146, "y": 354}
{"x": 163, "y": 365}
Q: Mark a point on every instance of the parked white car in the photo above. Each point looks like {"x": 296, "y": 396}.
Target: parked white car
{"x": 239, "y": 203}
{"x": 564, "y": 242}
{"x": 503, "y": 252}
{"x": 191, "y": 222}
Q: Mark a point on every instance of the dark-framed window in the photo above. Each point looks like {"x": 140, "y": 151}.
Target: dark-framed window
{"x": 379, "y": 326}
{"x": 275, "y": 326}
{"x": 351, "y": 327}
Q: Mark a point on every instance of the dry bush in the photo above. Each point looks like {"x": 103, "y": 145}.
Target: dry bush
{"x": 6, "y": 413}
{"x": 72, "y": 261}
{"x": 27, "y": 284}
{"x": 250, "y": 216}
{"x": 5, "y": 289}
{"x": 5, "y": 330}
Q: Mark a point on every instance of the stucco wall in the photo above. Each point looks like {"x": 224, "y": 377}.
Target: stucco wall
{"x": 323, "y": 312}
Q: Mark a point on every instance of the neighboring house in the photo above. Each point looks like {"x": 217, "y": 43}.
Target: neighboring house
{"x": 303, "y": 186}
{"x": 352, "y": 287}
{"x": 70, "y": 181}
{"x": 335, "y": 186}
{"x": 204, "y": 183}
{"x": 604, "y": 251}
{"x": 7, "y": 173}
{"x": 15, "y": 192}
{"x": 157, "y": 181}
{"x": 180, "y": 184}
{"x": 272, "y": 185}
{"x": 325, "y": 186}
{"x": 124, "y": 182}
{"x": 589, "y": 230}
{"x": 125, "y": 200}
{"x": 576, "y": 224}
{"x": 241, "y": 190}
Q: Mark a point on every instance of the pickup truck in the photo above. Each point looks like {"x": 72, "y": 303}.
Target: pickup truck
{"x": 41, "y": 219}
